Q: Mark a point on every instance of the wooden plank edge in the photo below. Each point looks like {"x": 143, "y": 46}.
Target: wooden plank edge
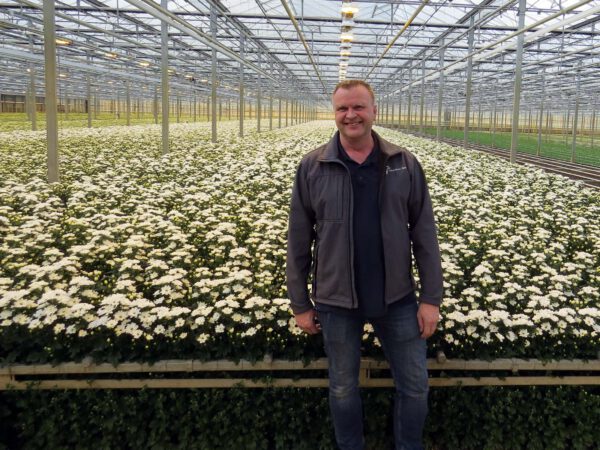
{"x": 289, "y": 382}
{"x": 165, "y": 366}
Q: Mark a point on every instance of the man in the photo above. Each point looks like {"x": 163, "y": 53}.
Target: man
{"x": 358, "y": 204}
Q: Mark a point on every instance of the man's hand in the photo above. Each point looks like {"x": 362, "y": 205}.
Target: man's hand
{"x": 428, "y": 316}
{"x": 306, "y": 322}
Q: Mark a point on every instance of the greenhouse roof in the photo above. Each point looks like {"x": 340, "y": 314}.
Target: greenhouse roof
{"x": 303, "y": 48}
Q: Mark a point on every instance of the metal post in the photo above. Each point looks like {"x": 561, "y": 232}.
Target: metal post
{"x": 279, "y": 107}
{"x": 164, "y": 67}
{"x": 593, "y": 123}
{"x": 155, "y": 105}
{"x": 539, "y": 137}
{"x": 241, "y": 108}
{"x": 50, "y": 79}
{"x": 469, "y": 80}
{"x": 96, "y": 104}
{"x": 576, "y": 114}
{"x": 566, "y": 120}
{"x": 517, "y": 91}
{"x": 89, "y": 98}
{"x": 258, "y": 99}
{"x": 271, "y": 100}
{"x": 409, "y": 100}
{"x": 440, "y": 91}
{"x": 195, "y": 106}
{"x": 400, "y": 109}
{"x": 213, "y": 81}
{"x": 422, "y": 105}
{"x": 66, "y": 91}
{"x": 128, "y": 103}
{"x": 495, "y": 118}
{"x": 33, "y": 97}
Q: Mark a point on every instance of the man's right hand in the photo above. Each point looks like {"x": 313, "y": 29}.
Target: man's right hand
{"x": 306, "y": 322}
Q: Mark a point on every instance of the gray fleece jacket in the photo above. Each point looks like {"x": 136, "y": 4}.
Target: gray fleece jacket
{"x": 320, "y": 238}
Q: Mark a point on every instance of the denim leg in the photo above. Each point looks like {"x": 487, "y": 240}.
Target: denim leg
{"x": 342, "y": 336}
{"x": 406, "y": 353}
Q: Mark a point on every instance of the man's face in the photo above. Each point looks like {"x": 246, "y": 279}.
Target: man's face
{"x": 355, "y": 112}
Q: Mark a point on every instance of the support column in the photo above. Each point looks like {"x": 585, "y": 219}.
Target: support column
{"x": 409, "y": 112}
{"x": 164, "y": 67}
{"x": 422, "y": 105}
{"x": 440, "y": 91}
{"x": 271, "y": 100}
{"x": 33, "y": 102}
{"x": 469, "y": 80}
{"x": 258, "y": 99}
{"x": 517, "y": 91}
{"x": 494, "y": 122}
{"x": 155, "y": 105}
{"x": 213, "y": 81}
{"x": 89, "y": 97}
{"x": 576, "y": 114}
{"x": 128, "y": 103}
{"x": 50, "y": 79}
{"x": 541, "y": 117}
{"x": 279, "y": 107}
{"x": 400, "y": 109}
{"x": 241, "y": 107}
{"x": 593, "y": 123}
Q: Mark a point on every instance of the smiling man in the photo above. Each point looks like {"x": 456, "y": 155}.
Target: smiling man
{"x": 360, "y": 209}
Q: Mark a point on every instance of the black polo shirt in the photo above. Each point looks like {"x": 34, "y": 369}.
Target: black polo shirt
{"x": 369, "y": 270}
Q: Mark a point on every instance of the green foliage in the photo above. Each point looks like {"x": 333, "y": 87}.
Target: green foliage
{"x": 558, "y": 146}
{"x": 463, "y": 418}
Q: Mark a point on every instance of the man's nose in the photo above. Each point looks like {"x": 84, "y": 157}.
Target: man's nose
{"x": 350, "y": 113}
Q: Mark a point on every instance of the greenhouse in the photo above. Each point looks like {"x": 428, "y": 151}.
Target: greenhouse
{"x": 148, "y": 153}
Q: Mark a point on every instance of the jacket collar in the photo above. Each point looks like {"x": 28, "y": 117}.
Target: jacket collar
{"x": 330, "y": 152}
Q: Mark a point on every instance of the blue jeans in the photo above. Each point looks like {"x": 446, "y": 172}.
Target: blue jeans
{"x": 398, "y": 332}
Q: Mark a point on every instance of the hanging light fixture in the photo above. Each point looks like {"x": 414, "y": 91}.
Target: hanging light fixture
{"x": 63, "y": 41}
{"x": 348, "y": 12}
{"x": 347, "y": 36}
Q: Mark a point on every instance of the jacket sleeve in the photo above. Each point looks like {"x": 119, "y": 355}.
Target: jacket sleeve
{"x": 300, "y": 238}
{"x": 423, "y": 235}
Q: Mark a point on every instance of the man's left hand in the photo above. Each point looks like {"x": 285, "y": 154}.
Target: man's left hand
{"x": 428, "y": 316}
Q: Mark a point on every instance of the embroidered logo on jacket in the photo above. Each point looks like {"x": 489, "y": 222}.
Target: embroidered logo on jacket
{"x": 388, "y": 169}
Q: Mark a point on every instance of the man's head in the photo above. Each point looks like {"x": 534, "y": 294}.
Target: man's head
{"x": 354, "y": 108}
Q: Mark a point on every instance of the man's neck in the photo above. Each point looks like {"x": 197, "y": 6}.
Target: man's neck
{"x": 359, "y": 150}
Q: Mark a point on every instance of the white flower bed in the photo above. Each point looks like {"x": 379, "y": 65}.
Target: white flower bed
{"x": 134, "y": 255}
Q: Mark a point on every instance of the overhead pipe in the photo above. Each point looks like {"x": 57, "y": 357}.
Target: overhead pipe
{"x": 460, "y": 63}
{"x": 85, "y": 67}
{"x": 303, "y": 40}
{"x": 402, "y": 30}
{"x": 176, "y": 22}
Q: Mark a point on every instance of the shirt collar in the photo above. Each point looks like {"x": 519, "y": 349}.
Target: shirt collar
{"x": 371, "y": 159}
